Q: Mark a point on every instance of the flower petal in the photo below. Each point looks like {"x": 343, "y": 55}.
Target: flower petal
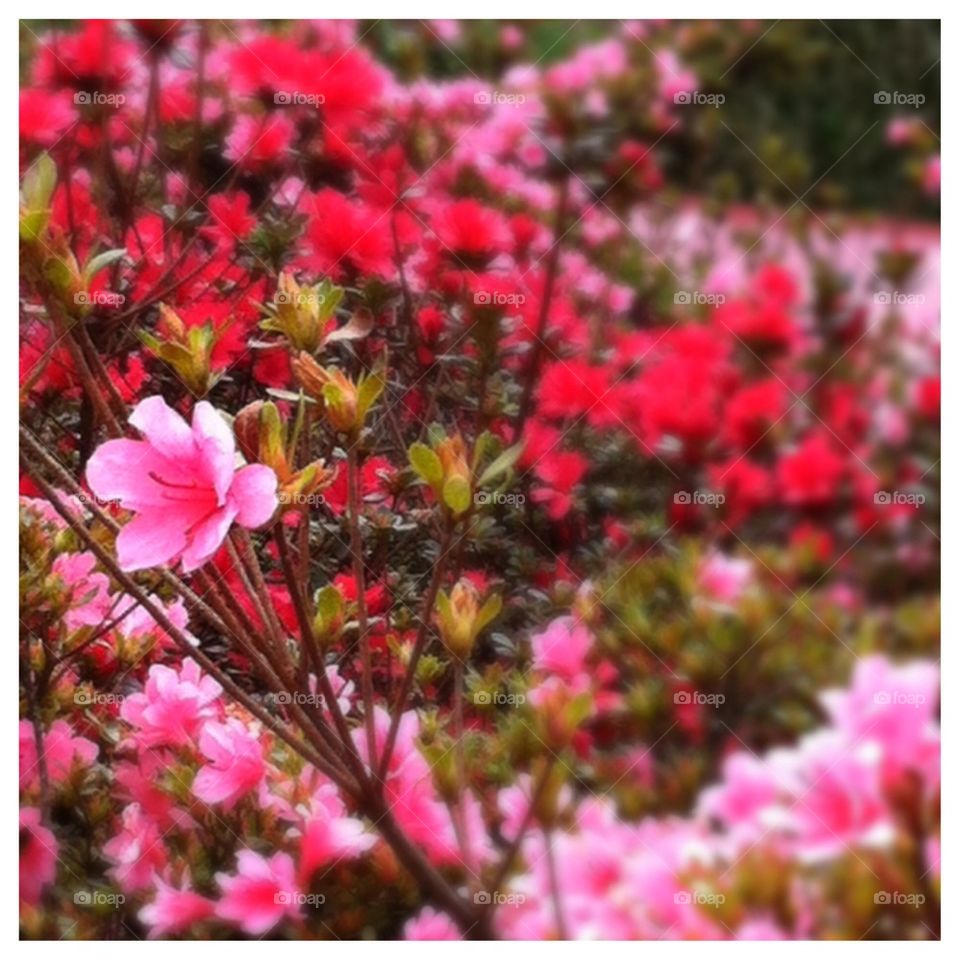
{"x": 149, "y": 540}
{"x": 254, "y": 492}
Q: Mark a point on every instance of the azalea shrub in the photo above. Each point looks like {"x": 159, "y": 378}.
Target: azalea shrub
{"x": 437, "y": 522}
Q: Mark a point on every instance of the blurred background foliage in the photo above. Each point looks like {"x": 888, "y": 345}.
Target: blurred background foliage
{"x": 799, "y": 96}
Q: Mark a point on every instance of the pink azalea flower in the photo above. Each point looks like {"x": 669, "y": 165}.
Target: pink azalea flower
{"x": 174, "y": 910}
{"x": 89, "y": 591}
{"x": 236, "y": 763}
{"x": 725, "y": 578}
{"x": 561, "y": 648}
{"x": 137, "y": 851}
{"x": 428, "y": 924}
{"x": 61, "y": 749}
{"x": 260, "y": 894}
{"x": 181, "y": 483}
{"x": 329, "y": 834}
{"x": 38, "y": 856}
{"x": 173, "y": 705}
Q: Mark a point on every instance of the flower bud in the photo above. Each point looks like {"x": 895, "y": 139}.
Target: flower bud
{"x": 461, "y": 618}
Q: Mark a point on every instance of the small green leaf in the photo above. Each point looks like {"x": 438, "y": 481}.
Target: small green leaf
{"x": 501, "y": 465}
{"x": 426, "y": 464}
{"x": 488, "y": 612}
{"x": 456, "y": 494}
{"x": 369, "y": 391}
{"x": 101, "y": 261}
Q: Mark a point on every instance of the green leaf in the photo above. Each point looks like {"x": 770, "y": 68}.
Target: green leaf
{"x": 329, "y": 607}
{"x": 426, "y": 464}
{"x": 502, "y": 464}
{"x": 488, "y": 612}
{"x": 456, "y": 494}
{"x": 369, "y": 390}
{"x": 39, "y": 182}
{"x": 101, "y": 261}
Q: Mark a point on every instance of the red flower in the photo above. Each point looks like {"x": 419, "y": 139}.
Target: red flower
{"x": 44, "y": 116}
{"x": 812, "y": 474}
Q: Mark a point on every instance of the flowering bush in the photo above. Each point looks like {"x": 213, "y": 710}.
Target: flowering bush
{"x": 434, "y": 526}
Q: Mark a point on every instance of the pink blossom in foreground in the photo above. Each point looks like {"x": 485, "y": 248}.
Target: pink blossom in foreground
{"x": 89, "y": 591}
{"x": 236, "y": 765}
{"x": 174, "y": 910}
{"x": 173, "y": 705}
{"x": 38, "y": 856}
{"x": 260, "y": 894}
{"x": 182, "y": 484}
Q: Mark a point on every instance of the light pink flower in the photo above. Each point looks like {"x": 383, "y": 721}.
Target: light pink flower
{"x": 137, "y": 851}
{"x": 174, "y": 910}
{"x": 182, "y": 484}
{"x": 725, "y": 578}
{"x": 329, "y": 834}
{"x": 173, "y": 705}
{"x": 89, "y": 591}
{"x": 561, "y": 648}
{"x": 236, "y": 763}
{"x": 428, "y": 924}
{"x": 61, "y": 751}
{"x": 38, "y": 856}
{"x": 260, "y": 894}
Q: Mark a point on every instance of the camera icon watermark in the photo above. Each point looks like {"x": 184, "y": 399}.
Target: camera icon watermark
{"x": 697, "y": 298}
{"x": 94, "y": 98}
{"x": 294, "y": 98}
{"x": 484, "y": 298}
{"x": 486, "y": 698}
{"x": 884, "y": 698}
{"x": 95, "y": 298}
{"x": 484, "y": 497}
{"x": 898, "y": 498}
{"x": 698, "y": 698}
{"x": 498, "y": 98}
{"x": 98, "y": 898}
{"x": 897, "y": 898}
{"x": 896, "y": 298}
{"x": 699, "y": 99}
{"x": 496, "y": 898}
{"x": 700, "y": 898}
{"x": 896, "y": 98}
{"x": 703, "y": 498}
{"x": 294, "y": 898}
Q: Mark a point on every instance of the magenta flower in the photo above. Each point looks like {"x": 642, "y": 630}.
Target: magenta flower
{"x": 236, "y": 766}
{"x": 260, "y": 894}
{"x": 182, "y": 484}
{"x": 174, "y": 910}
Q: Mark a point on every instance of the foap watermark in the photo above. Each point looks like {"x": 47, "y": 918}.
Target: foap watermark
{"x": 897, "y": 98}
{"x": 485, "y": 497}
{"x": 699, "y": 99}
{"x": 498, "y": 698}
{"x": 98, "y": 898}
{"x": 895, "y": 298}
{"x": 301, "y": 499}
{"x": 499, "y": 98}
{"x": 297, "y": 698}
{"x": 897, "y": 898}
{"x": 301, "y": 298}
{"x": 294, "y": 898}
{"x": 885, "y": 698}
{"x": 91, "y": 698}
{"x": 701, "y": 898}
{"x": 698, "y": 698}
{"x": 485, "y": 298}
{"x": 697, "y": 298}
{"x": 498, "y": 899}
{"x": 97, "y": 298}
{"x": 702, "y": 498}
{"x": 94, "y": 98}
{"x": 898, "y": 498}
{"x": 294, "y": 98}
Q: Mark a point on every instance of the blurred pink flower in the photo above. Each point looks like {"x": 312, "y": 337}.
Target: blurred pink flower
{"x": 137, "y": 851}
{"x": 38, "y": 856}
{"x": 260, "y": 894}
{"x": 561, "y": 648}
{"x": 181, "y": 483}
{"x": 174, "y": 910}
{"x": 329, "y": 834}
{"x": 725, "y": 578}
{"x": 236, "y": 763}
{"x": 428, "y": 924}
{"x": 61, "y": 750}
{"x": 89, "y": 591}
